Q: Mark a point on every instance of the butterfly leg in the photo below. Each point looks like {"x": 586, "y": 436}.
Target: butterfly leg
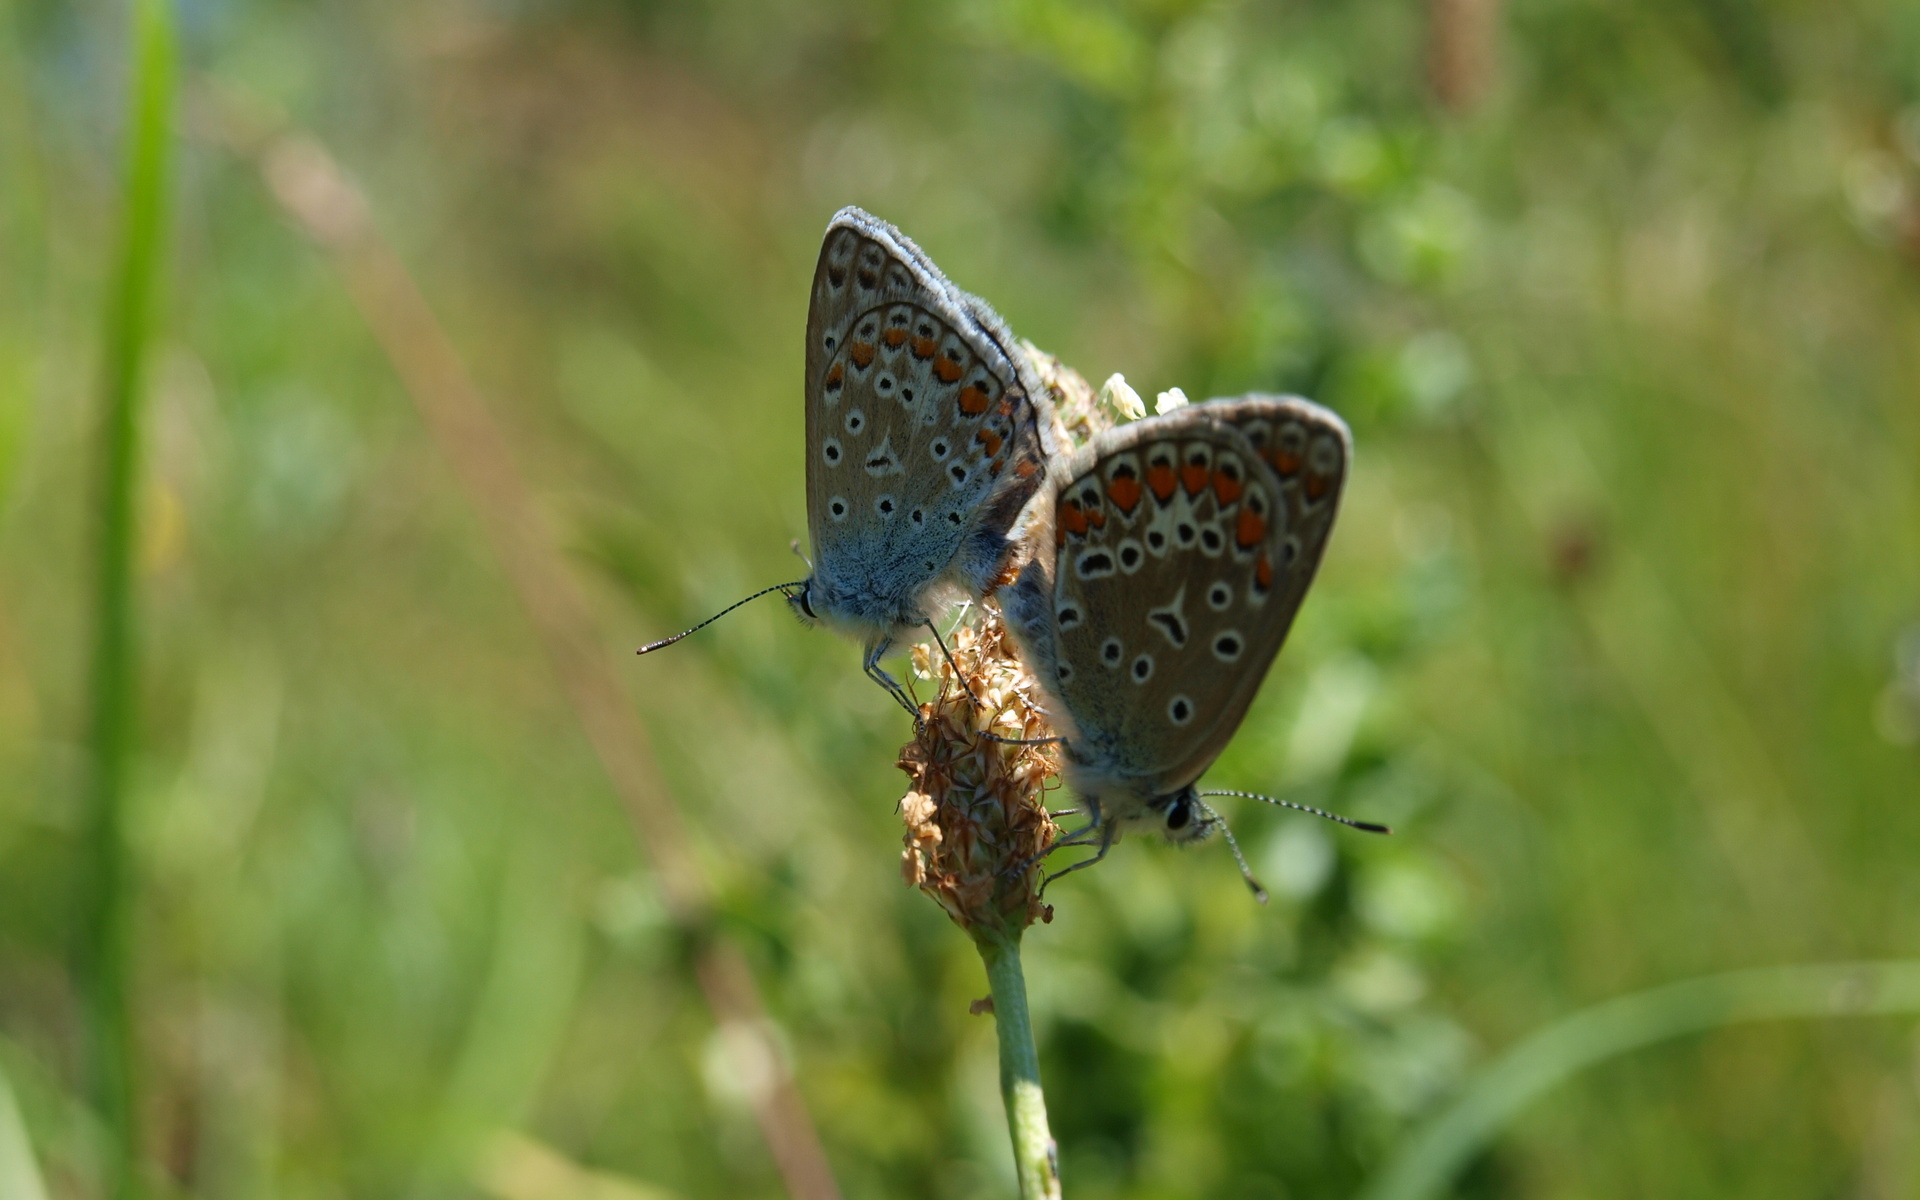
{"x": 876, "y": 650}
{"x": 1079, "y": 837}
{"x": 1106, "y": 829}
{"x": 1040, "y": 741}
{"x": 951, "y": 665}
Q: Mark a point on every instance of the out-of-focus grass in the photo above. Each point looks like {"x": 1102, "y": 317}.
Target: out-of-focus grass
{"x": 109, "y": 879}
{"x": 1424, "y": 1165}
{"x": 1607, "y": 630}
{"x": 19, "y": 1173}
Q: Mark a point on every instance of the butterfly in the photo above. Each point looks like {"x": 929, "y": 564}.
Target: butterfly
{"x": 928, "y": 432}
{"x": 1169, "y": 560}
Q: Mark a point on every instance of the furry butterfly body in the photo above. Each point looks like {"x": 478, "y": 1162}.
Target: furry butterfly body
{"x": 1178, "y": 552}
{"x": 927, "y": 435}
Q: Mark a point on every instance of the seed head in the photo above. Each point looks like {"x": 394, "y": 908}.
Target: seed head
{"x": 976, "y": 817}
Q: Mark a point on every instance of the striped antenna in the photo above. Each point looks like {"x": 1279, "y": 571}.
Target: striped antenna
{"x": 1363, "y": 826}
{"x": 650, "y": 647}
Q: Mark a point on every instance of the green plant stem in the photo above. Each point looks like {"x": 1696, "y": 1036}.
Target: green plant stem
{"x": 129, "y": 303}
{"x": 1436, "y": 1152}
{"x": 1035, "y": 1159}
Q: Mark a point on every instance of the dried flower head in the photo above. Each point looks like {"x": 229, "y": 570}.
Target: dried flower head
{"x": 977, "y": 823}
{"x": 1079, "y": 411}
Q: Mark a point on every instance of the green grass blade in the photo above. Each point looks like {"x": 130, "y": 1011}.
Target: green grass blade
{"x": 1437, "y": 1151}
{"x": 128, "y": 320}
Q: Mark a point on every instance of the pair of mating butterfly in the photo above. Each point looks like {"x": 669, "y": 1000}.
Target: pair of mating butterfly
{"x": 1166, "y": 560}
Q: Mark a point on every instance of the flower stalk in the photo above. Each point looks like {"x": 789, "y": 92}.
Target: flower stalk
{"x": 977, "y": 832}
{"x": 1036, "y": 1160}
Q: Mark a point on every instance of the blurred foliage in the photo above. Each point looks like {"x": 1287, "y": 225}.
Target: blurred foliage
{"x": 1617, "y": 629}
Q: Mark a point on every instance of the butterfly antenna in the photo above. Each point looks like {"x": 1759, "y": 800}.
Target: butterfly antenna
{"x": 1363, "y": 826}
{"x": 650, "y": 647}
{"x": 1233, "y": 844}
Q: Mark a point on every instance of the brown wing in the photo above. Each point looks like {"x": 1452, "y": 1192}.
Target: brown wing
{"x": 1183, "y": 546}
{"x": 924, "y": 438}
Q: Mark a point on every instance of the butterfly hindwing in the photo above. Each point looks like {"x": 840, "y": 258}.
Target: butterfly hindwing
{"x": 927, "y": 432}
{"x": 1181, "y": 548}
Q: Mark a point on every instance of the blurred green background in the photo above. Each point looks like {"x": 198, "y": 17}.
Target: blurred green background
{"x": 1620, "y": 627}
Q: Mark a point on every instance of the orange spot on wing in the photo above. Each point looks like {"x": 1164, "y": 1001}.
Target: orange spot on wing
{"x": 1124, "y": 491}
{"x": 1161, "y": 480}
{"x": 1098, "y": 518}
{"x": 895, "y": 337}
{"x": 989, "y": 439}
{"x": 993, "y": 468}
{"x": 1025, "y": 468}
{"x": 1193, "y": 478}
{"x": 836, "y": 374}
{"x": 1317, "y": 486}
{"x": 1073, "y": 518}
{"x": 862, "y": 354}
{"x": 1263, "y": 573}
{"x": 1226, "y": 489}
{"x": 947, "y": 369}
{"x": 1250, "y": 529}
{"x": 1284, "y": 460}
{"x": 923, "y": 347}
{"x": 973, "y": 401}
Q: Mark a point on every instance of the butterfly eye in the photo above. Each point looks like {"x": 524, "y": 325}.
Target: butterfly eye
{"x": 1179, "y": 813}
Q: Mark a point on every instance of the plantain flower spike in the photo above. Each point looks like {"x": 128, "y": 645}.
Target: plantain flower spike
{"x": 976, "y": 815}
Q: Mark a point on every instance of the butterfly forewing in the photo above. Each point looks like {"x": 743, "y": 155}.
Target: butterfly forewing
{"x": 924, "y": 439}
{"x": 1182, "y": 547}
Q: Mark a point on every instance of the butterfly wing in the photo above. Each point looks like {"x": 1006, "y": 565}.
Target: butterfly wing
{"x": 927, "y": 431}
{"x": 1182, "y": 547}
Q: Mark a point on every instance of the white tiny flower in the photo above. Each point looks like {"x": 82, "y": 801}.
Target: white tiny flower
{"x": 1118, "y": 395}
{"x": 1169, "y": 400}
